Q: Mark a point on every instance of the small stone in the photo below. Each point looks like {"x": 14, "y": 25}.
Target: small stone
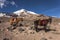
{"x": 0, "y": 21}
{"x": 32, "y": 32}
{"x": 21, "y": 25}
{"x": 21, "y": 30}
{"x": 43, "y": 39}
{"x": 5, "y": 39}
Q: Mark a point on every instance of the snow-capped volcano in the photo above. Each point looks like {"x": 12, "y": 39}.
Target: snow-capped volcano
{"x": 23, "y": 11}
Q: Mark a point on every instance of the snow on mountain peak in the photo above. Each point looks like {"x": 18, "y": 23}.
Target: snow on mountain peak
{"x": 31, "y": 12}
{"x": 23, "y": 10}
{"x": 19, "y": 11}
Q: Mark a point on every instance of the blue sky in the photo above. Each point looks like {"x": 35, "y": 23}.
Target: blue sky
{"x": 47, "y": 7}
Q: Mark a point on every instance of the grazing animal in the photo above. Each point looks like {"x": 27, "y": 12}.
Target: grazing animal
{"x": 15, "y": 20}
{"x": 43, "y": 22}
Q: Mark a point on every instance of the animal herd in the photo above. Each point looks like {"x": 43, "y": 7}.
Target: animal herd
{"x": 15, "y": 21}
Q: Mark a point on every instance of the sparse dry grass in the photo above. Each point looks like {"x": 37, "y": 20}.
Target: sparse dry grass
{"x": 27, "y": 31}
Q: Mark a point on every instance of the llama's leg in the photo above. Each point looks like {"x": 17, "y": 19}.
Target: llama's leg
{"x": 45, "y": 28}
{"x": 36, "y": 26}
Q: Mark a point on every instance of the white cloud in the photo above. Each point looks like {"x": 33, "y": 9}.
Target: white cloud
{"x": 54, "y": 16}
{"x": 3, "y": 3}
{"x": 13, "y": 3}
{"x": 2, "y": 0}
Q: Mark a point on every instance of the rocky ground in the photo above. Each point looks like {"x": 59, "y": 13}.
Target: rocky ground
{"x": 25, "y": 31}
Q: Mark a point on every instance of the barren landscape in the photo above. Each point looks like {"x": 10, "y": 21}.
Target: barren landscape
{"x": 26, "y": 31}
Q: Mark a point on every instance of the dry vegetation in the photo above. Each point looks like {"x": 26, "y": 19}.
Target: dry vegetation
{"x": 25, "y": 31}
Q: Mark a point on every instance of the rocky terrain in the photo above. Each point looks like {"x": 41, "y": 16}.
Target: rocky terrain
{"x": 25, "y": 31}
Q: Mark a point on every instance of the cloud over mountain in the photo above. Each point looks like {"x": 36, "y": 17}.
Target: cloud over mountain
{"x": 5, "y": 3}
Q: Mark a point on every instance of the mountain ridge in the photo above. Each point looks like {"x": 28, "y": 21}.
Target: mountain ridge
{"x": 22, "y": 12}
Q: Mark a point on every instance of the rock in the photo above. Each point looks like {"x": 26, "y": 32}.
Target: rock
{"x": 21, "y": 29}
{"x": 11, "y": 28}
{"x": 43, "y": 39}
{"x": 32, "y": 32}
{"x": 0, "y": 21}
{"x": 30, "y": 28}
{"x": 5, "y": 39}
{"x": 20, "y": 24}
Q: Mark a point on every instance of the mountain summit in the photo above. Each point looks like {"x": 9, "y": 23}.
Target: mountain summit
{"x": 24, "y": 11}
{"x": 19, "y": 11}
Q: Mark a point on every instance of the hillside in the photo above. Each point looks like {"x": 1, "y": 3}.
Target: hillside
{"x": 26, "y": 30}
